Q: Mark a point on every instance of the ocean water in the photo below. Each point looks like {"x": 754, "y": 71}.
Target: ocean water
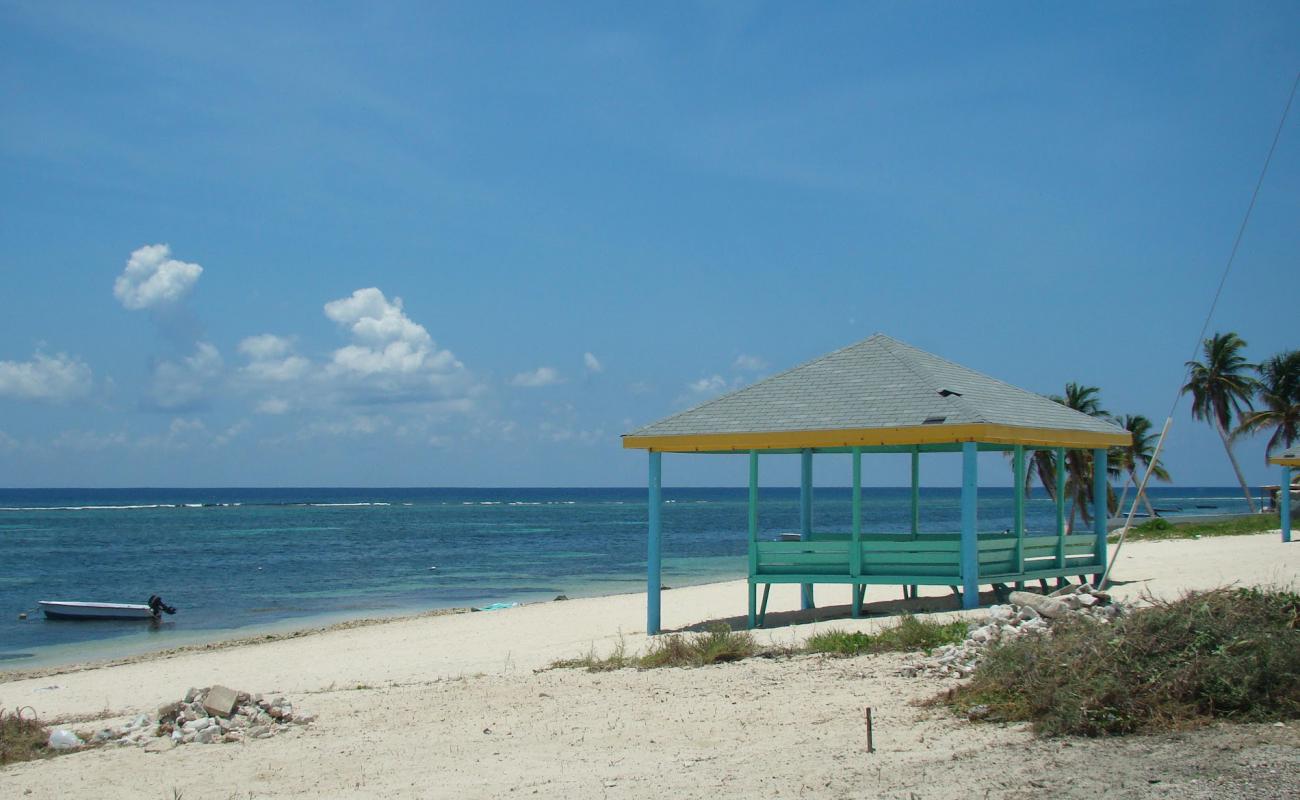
{"x": 239, "y": 561}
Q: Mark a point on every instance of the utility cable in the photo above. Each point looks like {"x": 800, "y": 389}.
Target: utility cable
{"x": 1205, "y": 326}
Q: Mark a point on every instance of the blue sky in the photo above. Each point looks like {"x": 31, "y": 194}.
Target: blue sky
{"x": 595, "y": 216}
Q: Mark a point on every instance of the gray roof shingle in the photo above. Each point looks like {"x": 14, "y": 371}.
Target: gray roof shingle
{"x": 879, "y": 382}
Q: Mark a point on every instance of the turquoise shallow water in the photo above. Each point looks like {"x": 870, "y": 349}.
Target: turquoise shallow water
{"x": 236, "y": 561}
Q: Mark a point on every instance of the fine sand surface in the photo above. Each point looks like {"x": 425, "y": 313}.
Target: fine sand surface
{"x": 451, "y": 706}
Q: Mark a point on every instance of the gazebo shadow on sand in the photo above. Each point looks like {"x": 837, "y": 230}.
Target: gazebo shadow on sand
{"x": 918, "y": 606}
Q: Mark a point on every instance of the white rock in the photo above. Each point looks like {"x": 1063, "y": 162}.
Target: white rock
{"x": 1047, "y": 606}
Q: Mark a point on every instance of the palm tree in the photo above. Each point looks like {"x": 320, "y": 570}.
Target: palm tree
{"x": 1221, "y": 390}
{"x": 1078, "y": 463}
{"x": 1043, "y": 464}
{"x": 1278, "y": 390}
{"x": 1137, "y": 455}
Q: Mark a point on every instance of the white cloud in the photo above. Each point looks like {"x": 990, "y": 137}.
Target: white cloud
{"x": 593, "y": 364}
{"x": 271, "y": 358}
{"x": 359, "y": 426}
{"x": 181, "y": 434}
{"x": 57, "y": 378}
{"x": 7, "y": 442}
{"x": 88, "y": 440}
{"x": 392, "y": 357}
{"x": 713, "y": 384}
{"x": 553, "y": 432}
{"x": 273, "y": 406}
{"x": 542, "y": 376}
{"x": 152, "y": 278}
{"x": 222, "y": 439}
{"x": 746, "y": 363}
{"x": 265, "y": 346}
{"x": 189, "y": 381}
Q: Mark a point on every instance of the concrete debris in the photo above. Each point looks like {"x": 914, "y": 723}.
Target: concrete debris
{"x": 215, "y": 715}
{"x": 1027, "y": 614}
{"x": 219, "y": 701}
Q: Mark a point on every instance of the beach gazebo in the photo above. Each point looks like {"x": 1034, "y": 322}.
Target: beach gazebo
{"x": 1286, "y": 460}
{"x": 883, "y": 396}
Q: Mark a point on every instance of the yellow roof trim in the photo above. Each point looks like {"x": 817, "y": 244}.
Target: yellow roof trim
{"x": 1281, "y": 461}
{"x": 877, "y": 437}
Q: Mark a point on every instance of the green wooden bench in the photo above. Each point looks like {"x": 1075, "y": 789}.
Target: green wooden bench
{"x": 926, "y": 559}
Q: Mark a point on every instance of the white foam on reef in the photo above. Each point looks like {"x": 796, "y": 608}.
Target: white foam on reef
{"x": 346, "y": 505}
{"x": 82, "y": 508}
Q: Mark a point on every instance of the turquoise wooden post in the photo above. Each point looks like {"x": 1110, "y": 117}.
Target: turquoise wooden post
{"x": 855, "y": 546}
{"x": 1018, "y": 482}
{"x": 916, "y": 504}
{"x": 1060, "y": 508}
{"x": 916, "y": 491}
{"x": 805, "y": 513}
{"x": 970, "y": 548}
{"x": 1100, "y": 509}
{"x": 1284, "y": 503}
{"x": 653, "y": 551}
{"x": 753, "y": 536}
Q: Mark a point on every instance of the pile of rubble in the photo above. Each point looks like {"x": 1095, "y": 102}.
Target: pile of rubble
{"x": 212, "y": 715}
{"x": 1026, "y": 614}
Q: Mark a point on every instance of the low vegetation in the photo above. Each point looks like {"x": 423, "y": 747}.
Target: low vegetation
{"x": 910, "y": 634}
{"x": 22, "y": 736}
{"x": 714, "y": 646}
{"x": 1229, "y": 654}
{"x": 1161, "y": 528}
{"x": 721, "y": 644}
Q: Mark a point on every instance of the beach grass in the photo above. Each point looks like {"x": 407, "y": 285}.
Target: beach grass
{"x": 1231, "y": 654}
{"x": 1161, "y": 528}
{"x": 910, "y": 634}
{"x": 22, "y": 736}
{"x": 720, "y": 645}
{"x": 717, "y": 645}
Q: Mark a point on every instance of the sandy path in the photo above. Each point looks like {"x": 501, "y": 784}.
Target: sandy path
{"x": 763, "y": 727}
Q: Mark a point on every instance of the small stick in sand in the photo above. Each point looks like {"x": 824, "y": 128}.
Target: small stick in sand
{"x": 871, "y": 745}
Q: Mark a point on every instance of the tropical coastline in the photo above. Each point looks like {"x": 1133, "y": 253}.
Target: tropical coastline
{"x": 255, "y": 562}
{"x": 465, "y": 690}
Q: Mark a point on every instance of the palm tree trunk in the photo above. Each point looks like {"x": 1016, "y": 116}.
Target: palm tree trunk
{"x": 1146, "y": 498}
{"x": 1250, "y": 501}
{"x": 1124, "y": 495}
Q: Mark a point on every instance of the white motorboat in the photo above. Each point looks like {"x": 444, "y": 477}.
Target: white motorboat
{"x": 73, "y": 609}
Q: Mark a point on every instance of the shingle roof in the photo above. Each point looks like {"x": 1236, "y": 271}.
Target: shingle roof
{"x": 877, "y": 383}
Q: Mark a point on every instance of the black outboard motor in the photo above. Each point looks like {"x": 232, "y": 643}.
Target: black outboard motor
{"x": 157, "y": 606}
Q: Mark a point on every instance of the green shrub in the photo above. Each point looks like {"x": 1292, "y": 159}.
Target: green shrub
{"x": 1155, "y": 525}
{"x": 717, "y": 645}
{"x": 1228, "y": 653}
{"x": 909, "y": 634}
{"x": 1161, "y": 528}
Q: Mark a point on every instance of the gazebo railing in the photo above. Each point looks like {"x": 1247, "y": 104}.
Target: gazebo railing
{"x": 932, "y": 559}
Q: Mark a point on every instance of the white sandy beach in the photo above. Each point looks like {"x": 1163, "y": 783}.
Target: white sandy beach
{"x": 452, "y": 706}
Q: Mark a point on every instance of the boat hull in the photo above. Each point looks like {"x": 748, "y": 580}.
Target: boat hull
{"x": 55, "y": 609}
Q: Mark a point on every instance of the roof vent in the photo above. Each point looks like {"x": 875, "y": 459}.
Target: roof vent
{"x": 949, "y": 393}
{"x": 934, "y": 420}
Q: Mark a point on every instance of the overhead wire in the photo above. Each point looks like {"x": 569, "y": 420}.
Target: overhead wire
{"x": 1205, "y": 326}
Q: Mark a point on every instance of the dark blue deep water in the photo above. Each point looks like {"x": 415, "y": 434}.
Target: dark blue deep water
{"x": 235, "y": 561}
